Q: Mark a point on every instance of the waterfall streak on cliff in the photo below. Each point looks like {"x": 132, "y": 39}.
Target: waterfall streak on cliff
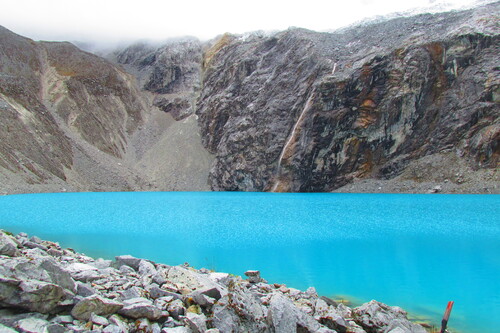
{"x": 275, "y": 186}
{"x": 292, "y": 138}
{"x": 293, "y": 133}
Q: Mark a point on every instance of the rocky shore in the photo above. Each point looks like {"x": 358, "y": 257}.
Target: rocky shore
{"x": 45, "y": 288}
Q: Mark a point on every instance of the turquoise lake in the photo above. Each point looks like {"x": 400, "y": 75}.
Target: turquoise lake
{"x": 414, "y": 251}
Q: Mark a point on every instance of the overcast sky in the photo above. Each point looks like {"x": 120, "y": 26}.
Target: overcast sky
{"x": 126, "y": 20}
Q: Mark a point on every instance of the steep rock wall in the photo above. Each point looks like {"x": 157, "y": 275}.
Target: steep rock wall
{"x": 306, "y": 111}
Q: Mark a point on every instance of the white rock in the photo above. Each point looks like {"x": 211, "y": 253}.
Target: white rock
{"x": 79, "y": 267}
{"x": 32, "y": 325}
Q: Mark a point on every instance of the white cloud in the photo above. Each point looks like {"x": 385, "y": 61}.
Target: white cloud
{"x": 114, "y": 20}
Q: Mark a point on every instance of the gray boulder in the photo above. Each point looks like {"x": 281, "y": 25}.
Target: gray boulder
{"x": 161, "y": 276}
{"x": 62, "y": 319}
{"x": 329, "y": 316}
{"x": 131, "y": 293}
{"x": 124, "y": 269}
{"x": 156, "y": 292}
{"x": 83, "y": 272}
{"x": 95, "y": 304}
{"x": 378, "y": 317}
{"x": 32, "y": 245}
{"x": 8, "y": 245}
{"x": 190, "y": 280}
{"x": 196, "y": 322}
{"x": 128, "y": 260}
{"x": 206, "y": 296}
{"x": 84, "y": 289}
{"x": 146, "y": 268}
{"x": 31, "y": 295}
{"x": 285, "y": 317}
{"x": 239, "y": 311}
{"x": 140, "y": 308}
{"x": 58, "y": 275}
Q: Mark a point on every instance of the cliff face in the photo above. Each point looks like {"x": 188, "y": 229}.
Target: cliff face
{"x": 171, "y": 72}
{"x": 306, "y": 111}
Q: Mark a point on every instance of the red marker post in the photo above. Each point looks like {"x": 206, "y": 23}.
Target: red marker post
{"x": 446, "y": 316}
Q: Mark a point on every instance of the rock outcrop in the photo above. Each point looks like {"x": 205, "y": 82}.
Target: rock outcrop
{"x": 170, "y": 71}
{"x": 307, "y": 111}
{"x": 42, "y": 289}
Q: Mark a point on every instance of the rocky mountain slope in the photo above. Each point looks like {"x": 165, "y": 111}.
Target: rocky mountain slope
{"x": 75, "y": 121}
{"x": 400, "y": 106}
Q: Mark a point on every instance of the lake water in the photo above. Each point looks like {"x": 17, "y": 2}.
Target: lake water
{"x": 415, "y": 251}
